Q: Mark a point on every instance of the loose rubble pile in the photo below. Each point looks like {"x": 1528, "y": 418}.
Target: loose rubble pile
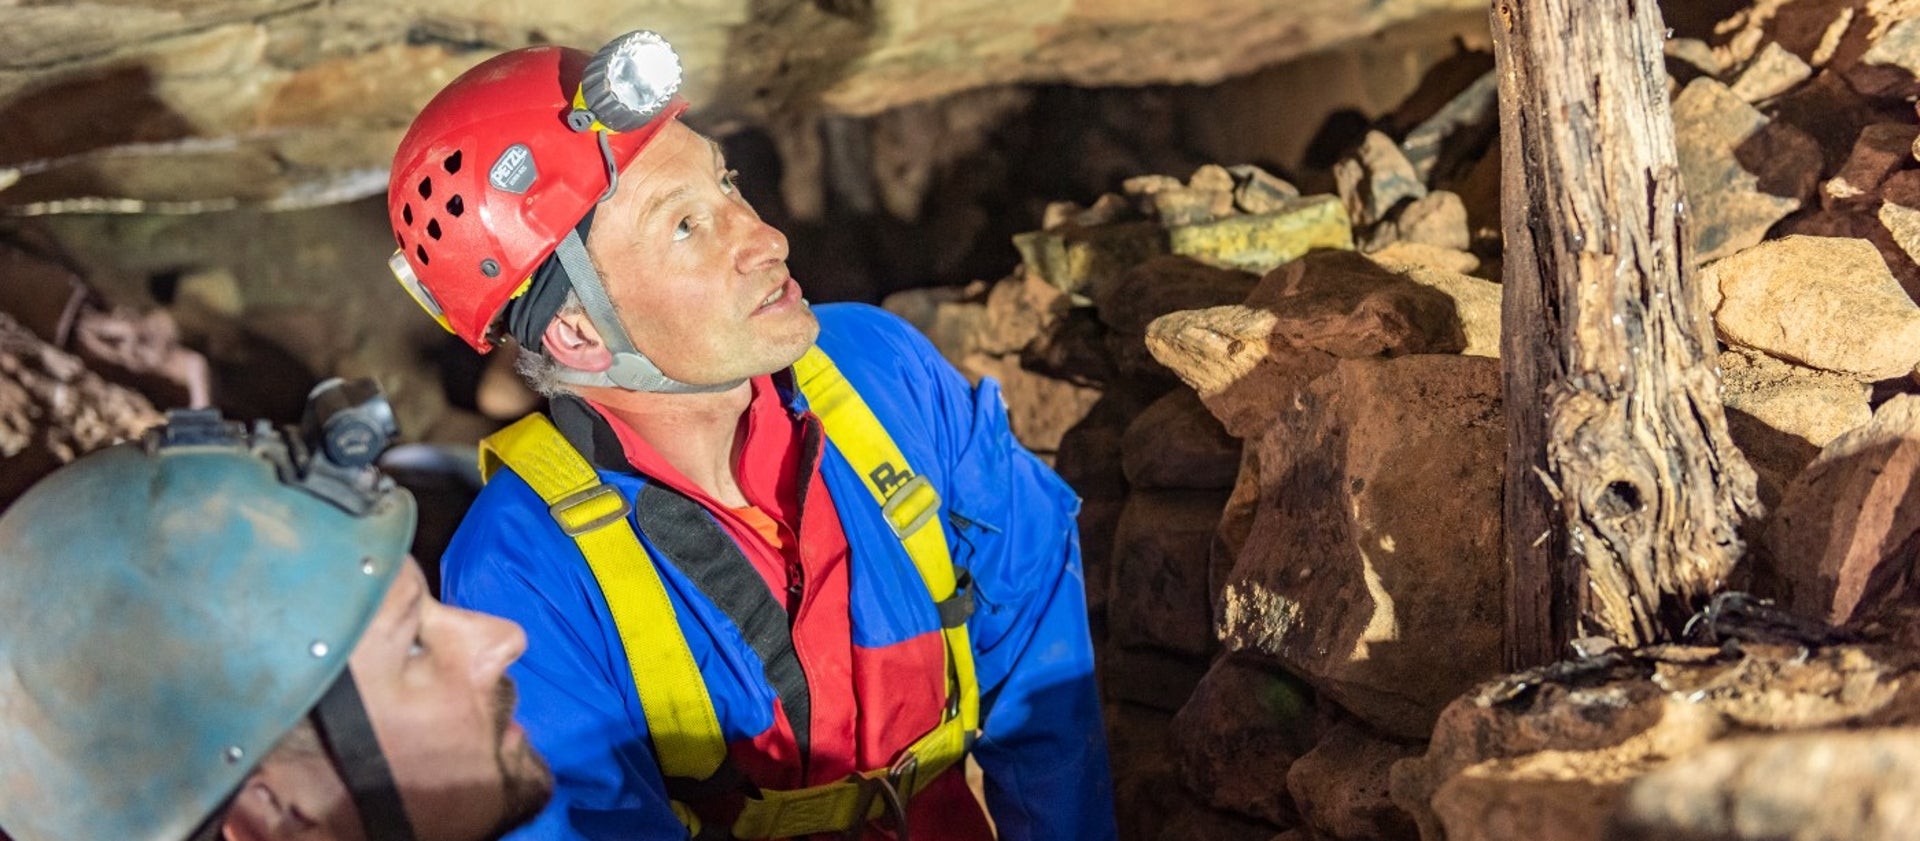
{"x": 1284, "y": 414}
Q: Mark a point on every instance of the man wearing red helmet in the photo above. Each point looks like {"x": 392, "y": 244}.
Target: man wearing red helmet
{"x": 781, "y": 569}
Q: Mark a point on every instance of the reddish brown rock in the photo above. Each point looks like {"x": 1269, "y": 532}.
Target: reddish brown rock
{"x": 1827, "y": 303}
{"x": 1844, "y": 539}
{"x": 1150, "y": 679}
{"x": 1742, "y": 172}
{"x": 1341, "y": 786}
{"x": 1881, "y": 149}
{"x": 1160, "y": 597}
{"x": 1176, "y": 443}
{"x": 1373, "y": 565}
{"x": 1237, "y": 738}
{"x": 1296, "y": 322}
{"x": 1550, "y": 753}
{"x": 1167, "y": 284}
{"x": 1890, "y": 68}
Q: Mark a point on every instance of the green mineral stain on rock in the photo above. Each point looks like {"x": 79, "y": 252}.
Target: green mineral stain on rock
{"x": 1078, "y": 259}
{"x": 1262, "y": 243}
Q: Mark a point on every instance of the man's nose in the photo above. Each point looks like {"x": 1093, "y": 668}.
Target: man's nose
{"x": 498, "y": 642}
{"x": 762, "y": 246}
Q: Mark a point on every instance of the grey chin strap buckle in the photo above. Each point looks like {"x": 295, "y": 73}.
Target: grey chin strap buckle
{"x": 634, "y": 372}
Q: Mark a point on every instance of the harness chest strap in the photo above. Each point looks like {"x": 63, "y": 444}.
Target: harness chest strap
{"x": 685, "y": 730}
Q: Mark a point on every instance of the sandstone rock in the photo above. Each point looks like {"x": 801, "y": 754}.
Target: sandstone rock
{"x": 1549, "y": 753}
{"x": 1176, "y": 443}
{"x": 1842, "y": 543}
{"x": 1902, "y": 223}
{"x": 1257, "y": 191}
{"x": 1238, "y": 736}
{"x": 1889, "y": 67}
{"x": 1825, "y": 303}
{"x": 1373, "y": 567}
{"x": 1781, "y": 414}
{"x": 1167, "y": 284}
{"x": 1191, "y": 206}
{"x": 1782, "y": 786}
{"x": 1399, "y": 256}
{"x": 1019, "y": 311}
{"x": 1859, "y": 222}
{"x": 1236, "y": 523}
{"x": 1160, "y": 572}
{"x": 1771, "y": 73}
{"x": 946, "y": 315}
{"x": 1438, "y": 219}
{"x": 1476, "y": 302}
{"x": 1077, "y": 260}
{"x": 1456, "y": 133}
{"x": 1258, "y": 243}
{"x": 1240, "y": 359}
{"x": 1040, "y": 409}
{"x": 1375, "y": 179}
{"x": 1689, "y": 59}
{"x": 1211, "y": 177}
{"x": 1106, "y": 210}
{"x": 1742, "y": 173}
{"x": 53, "y": 409}
{"x": 1341, "y": 786}
{"x": 1882, "y": 148}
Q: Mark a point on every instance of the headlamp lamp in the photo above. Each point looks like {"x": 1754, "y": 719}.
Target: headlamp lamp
{"x": 627, "y": 83}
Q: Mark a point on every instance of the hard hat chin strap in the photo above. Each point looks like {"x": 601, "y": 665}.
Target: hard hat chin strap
{"x": 631, "y": 369}
{"x": 341, "y": 719}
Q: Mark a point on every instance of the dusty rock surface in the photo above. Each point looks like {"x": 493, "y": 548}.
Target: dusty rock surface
{"x": 1781, "y": 414}
{"x": 1843, "y": 542}
{"x": 1827, "y": 303}
{"x": 284, "y": 101}
{"x": 1293, "y": 325}
{"x": 1552, "y": 753}
{"x": 1743, "y": 173}
{"x": 1372, "y": 567}
{"x": 1786, "y": 786}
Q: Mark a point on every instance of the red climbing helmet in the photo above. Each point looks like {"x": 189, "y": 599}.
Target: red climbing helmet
{"x": 507, "y": 159}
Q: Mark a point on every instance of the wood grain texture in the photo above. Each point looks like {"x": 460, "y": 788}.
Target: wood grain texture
{"x": 1625, "y": 497}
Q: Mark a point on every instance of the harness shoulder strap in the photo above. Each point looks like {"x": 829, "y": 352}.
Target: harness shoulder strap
{"x": 911, "y": 506}
{"x": 685, "y": 730}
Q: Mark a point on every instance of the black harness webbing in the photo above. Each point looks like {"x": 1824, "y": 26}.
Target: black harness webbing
{"x": 341, "y": 721}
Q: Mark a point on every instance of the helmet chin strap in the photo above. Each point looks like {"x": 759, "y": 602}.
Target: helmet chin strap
{"x": 631, "y": 369}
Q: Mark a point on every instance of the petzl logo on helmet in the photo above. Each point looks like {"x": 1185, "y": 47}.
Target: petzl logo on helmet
{"x": 514, "y": 171}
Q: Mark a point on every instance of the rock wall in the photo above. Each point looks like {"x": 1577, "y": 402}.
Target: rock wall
{"x": 1284, "y": 415}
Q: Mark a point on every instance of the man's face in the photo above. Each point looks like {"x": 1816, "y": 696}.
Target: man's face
{"x": 433, "y": 679}
{"x": 699, "y": 280}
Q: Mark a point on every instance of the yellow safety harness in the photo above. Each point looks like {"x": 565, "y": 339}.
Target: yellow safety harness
{"x": 684, "y": 728}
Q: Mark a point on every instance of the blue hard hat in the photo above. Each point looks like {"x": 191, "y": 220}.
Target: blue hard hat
{"x": 172, "y": 607}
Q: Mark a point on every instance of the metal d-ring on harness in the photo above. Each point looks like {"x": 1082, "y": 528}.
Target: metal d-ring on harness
{"x": 683, "y": 725}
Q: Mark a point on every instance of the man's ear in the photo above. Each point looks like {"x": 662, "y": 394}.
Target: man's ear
{"x": 254, "y": 812}
{"x": 571, "y": 340}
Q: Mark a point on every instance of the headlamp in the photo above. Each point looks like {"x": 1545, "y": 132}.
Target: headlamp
{"x": 627, "y": 83}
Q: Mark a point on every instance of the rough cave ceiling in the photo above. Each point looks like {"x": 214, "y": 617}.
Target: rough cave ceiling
{"x": 199, "y": 104}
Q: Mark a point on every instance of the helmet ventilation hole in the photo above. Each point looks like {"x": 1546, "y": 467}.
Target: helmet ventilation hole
{"x": 406, "y": 213}
{"x": 455, "y": 206}
{"x": 426, "y": 188}
{"x": 421, "y": 252}
{"x": 433, "y": 228}
{"x": 452, "y": 163}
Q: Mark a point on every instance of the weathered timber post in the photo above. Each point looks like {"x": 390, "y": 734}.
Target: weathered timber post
{"x": 1624, "y": 495}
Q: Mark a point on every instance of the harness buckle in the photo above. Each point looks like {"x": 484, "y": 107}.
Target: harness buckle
{"x": 917, "y": 490}
{"x": 562, "y": 509}
{"x": 886, "y": 788}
